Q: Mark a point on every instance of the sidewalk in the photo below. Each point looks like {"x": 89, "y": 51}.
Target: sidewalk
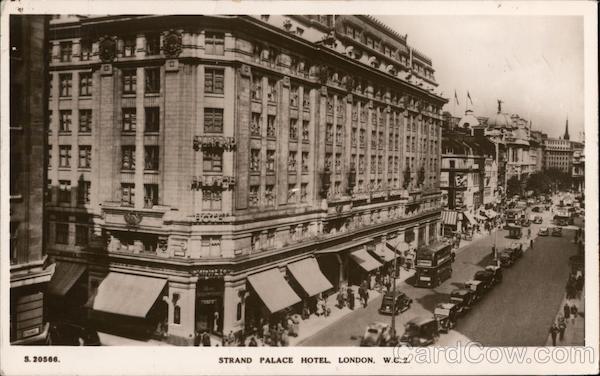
{"x": 575, "y": 332}
{"x": 113, "y": 340}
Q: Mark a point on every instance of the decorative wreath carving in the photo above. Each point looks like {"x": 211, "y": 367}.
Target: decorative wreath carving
{"x": 172, "y": 44}
{"x": 108, "y": 49}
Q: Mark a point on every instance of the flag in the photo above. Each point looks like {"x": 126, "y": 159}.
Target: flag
{"x": 469, "y": 96}
{"x": 456, "y": 97}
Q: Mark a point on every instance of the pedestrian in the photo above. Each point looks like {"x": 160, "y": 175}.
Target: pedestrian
{"x": 531, "y": 244}
{"x": 252, "y": 342}
{"x": 573, "y": 313}
{"x": 562, "y": 325}
{"x": 553, "y": 332}
{"x": 366, "y": 298}
{"x": 566, "y": 311}
{"x": 230, "y": 338}
{"x": 579, "y": 285}
{"x": 205, "y": 339}
{"x": 197, "y": 338}
{"x": 340, "y": 299}
{"x": 285, "y": 339}
{"x": 350, "y": 298}
{"x": 265, "y": 330}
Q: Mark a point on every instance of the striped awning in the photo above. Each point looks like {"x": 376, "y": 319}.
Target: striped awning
{"x": 470, "y": 218}
{"x": 449, "y": 217}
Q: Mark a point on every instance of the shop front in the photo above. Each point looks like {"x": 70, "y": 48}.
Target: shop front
{"x": 363, "y": 266}
{"x": 209, "y": 306}
{"x": 335, "y": 263}
{"x": 68, "y": 290}
{"x": 450, "y": 222}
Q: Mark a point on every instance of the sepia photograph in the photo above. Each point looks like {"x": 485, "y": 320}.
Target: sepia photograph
{"x": 298, "y": 178}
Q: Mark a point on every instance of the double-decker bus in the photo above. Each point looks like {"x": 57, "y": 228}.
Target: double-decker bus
{"x": 433, "y": 264}
{"x": 514, "y": 216}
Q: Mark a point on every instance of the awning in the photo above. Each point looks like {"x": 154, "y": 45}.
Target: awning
{"x": 273, "y": 290}
{"x": 64, "y": 277}
{"x": 365, "y": 260}
{"x": 449, "y": 217}
{"x": 309, "y": 276}
{"x": 341, "y": 247}
{"x": 127, "y": 294}
{"x": 470, "y": 218}
{"x": 385, "y": 254}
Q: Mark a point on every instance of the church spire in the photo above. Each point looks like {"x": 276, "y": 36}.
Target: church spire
{"x": 566, "y": 136}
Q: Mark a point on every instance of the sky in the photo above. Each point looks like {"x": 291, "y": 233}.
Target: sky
{"x": 534, "y": 64}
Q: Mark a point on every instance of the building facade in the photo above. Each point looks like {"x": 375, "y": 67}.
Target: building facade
{"x": 558, "y": 154}
{"x": 261, "y": 142}
{"x": 29, "y": 273}
{"x": 578, "y": 166}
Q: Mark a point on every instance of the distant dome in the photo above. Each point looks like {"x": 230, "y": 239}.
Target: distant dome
{"x": 469, "y": 120}
{"x": 500, "y": 120}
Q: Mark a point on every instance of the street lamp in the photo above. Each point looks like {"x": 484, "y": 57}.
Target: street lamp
{"x": 394, "y": 288}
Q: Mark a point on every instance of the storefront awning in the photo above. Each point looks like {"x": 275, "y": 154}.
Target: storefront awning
{"x": 273, "y": 290}
{"x": 470, "y": 218}
{"x": 449, "y": 217}
{"x": 344, "y": 246}
{"x": 385, "y": 254}
{"x": 309, "y": 276}
{"x": 64, "y": 277}
{"x": 365, "y": 260}
{"x": 127, "y": 294}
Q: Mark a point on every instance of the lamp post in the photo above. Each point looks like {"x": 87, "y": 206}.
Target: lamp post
{"x": 394, "y": 290}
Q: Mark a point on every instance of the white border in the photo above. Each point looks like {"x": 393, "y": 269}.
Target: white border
{"x": 191, "y": 360}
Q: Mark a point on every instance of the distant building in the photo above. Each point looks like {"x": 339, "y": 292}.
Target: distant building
{"x": 29, "y": 273}
{"x": 578, "y": 166}
{"x": 558, "y": 154}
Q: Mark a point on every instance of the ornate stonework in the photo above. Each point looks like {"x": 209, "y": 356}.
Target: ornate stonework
{"x": 172, "y": 44}
{"x": 108, "y": 49}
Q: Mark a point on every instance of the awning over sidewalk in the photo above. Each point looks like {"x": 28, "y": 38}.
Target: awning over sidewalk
{"x": 470, "y": 218}
{"x": 344, "y": 246}
{"x": 449, "y": 217}
{"x": 64, "y": 277}
{"x": 385, "y": 254}
{"x": 127, "y": 294}
{"x": 273, "y": 290}
{"x": 309, "y": 276}
{"x": 365, "y": 260}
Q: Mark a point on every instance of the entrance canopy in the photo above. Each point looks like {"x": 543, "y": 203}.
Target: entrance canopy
{"x": 64, "y": 277}
{"x": 365, "y": 260}
{"x": 385, "y": 254}
{"x": 273, "y": 290}
{"x": 127, "y": 294}
{"x": 449, "y": 217}
{"x": 309, "y": 276}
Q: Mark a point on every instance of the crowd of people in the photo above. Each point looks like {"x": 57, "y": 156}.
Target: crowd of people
{"x": 570, "y": 311}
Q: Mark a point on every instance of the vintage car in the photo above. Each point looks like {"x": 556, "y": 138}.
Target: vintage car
{"x": 506, "y": 259}
{"x": 537, "y": 209}
{"x": 525, "y": 222}
{"x": 420, "y": 331}
{"x": 463, "y": 298}
{"x": 517, "y": 247}
{"x": 538, "y": 219}
{"x": 497, "y": 272}
{"x": 486, "y": 277}
{"x": 543, "y": 231}
{"x": 477, "y": 287}
{"x": 557, "y": 231}
{"x": 71, "y": 334}
{"x": 403, "y": 302}
{"x": 446, "y": 315}
{"x": 377, "y": 334}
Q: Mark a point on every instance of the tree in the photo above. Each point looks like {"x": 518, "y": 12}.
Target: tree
{"x": 513, "y": 186}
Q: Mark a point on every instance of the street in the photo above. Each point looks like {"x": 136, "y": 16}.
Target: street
{"x": 517, "y": 312}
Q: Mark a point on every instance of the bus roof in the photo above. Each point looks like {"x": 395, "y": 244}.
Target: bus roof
{"x": 433, "y": 248}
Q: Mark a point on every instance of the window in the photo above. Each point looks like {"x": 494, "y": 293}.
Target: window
{"x": 380, "y": 164}
{"x": 152, "y": 120}
{"x": 64, "y": 192}
{"x": 328, "y": 161}
{"x": 127, "y": 194}
{"x": 81, "y": 235}
{"x": 256, "y": 92}
{"x": 338, "y": 163}
{"x": 353, "y": 137}
{"x": 270, "y": 195}
{"x": 304, "y": 162}
{"x": 292, "y": 161}
{"x": 292, "y": 190}
{"x": 49, "y": 158}
{"x": 129, "y": 46}
{"x": 294, "y": 96}
{"x": 270, "y": 160}
{"x": 85, "y": 121}
{"x": 271, "y": 126}
{"x": 255, "y": 160}
{"x": 83, "y": 192}
{"x": 213, "y": 120}
{"x": 293, "y": 129}
{"x": 64, "y": 156}
{"x": 66, "y": 51}
{"x": 214, "y": 81}
{"x": 129, "y": 81}
{"x": 373, "y": 164}
{"x": 362, "y": 138}
{"x": 50, "y": 84}
{"x": 374, "y": 140}
{"x": 212, "y": 161}
{"x": 292, "y": 232}
{"x": 86, "y": 49}
{"x": 271, "y": 90}
{"x": 271, "y": 238}
{"x": 305, "y": 131}
{"x": 129, "y": 119}
{"x": 62, "y": 233}
{"x": 329, "y": 134}
{"x": 255, "y": 124}
{"x": 128, "y": 157}
{"x": 66, "y": 83}
{"x": 339, "y": 134}
{"x": 151, "y": 157}
{"x": 211, "y": 245}
{"x": 361, "y": 164}
{"x": 253, "y": 196}
{"x": 65, "y": 120}
{"x": 303, "y": 192}
{"x": 152, "y": 80}
{"x": 85, "y": 84}
{"x": 85, "y": 156}
{"x": 150, "y": 195}
{"x": 152, "y": 44}
{"x": 214, "y": 43}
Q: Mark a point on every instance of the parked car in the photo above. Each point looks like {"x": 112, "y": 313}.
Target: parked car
{"x": 506, "y": 259}
{"x": 486, "y": 277}
{"x": 557, "y": 231}
{"x": 477, "y": 287}
{"x": 497, "y": 272}
{"x": 537, "y": 209}
{"x": 543, "y": 231}
{"x": 525, "y": 223}
{"x": 377, "y": 334}
{"x": 420, "y": 331}
{"x": 538, "y": 219}
{"x": 463, "y": 298}
{"x": 403, "y": 302}
{"x": 518, "y": 248}
{"x": 446, "y": 315}
{"x": 72, "y": 334}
